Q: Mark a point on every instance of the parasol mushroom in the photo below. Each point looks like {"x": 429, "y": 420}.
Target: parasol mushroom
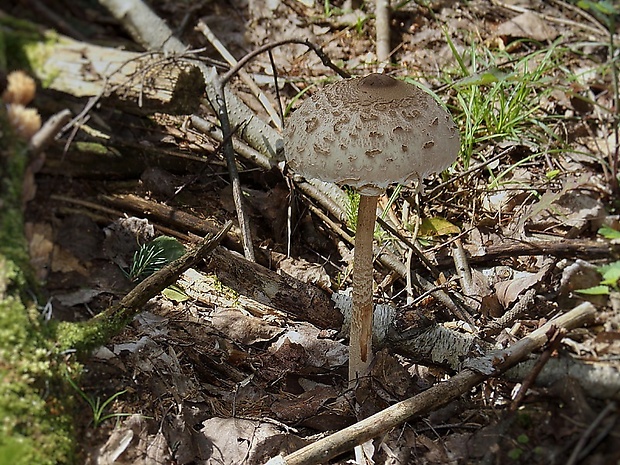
{"x": 368, "y": 133}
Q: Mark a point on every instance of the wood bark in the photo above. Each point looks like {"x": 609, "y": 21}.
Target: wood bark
{"x": 152, "y": 33}
{"x": 562, "y": 248}
{"x": 137, "y": 82}
{"x": 282, "y": 292}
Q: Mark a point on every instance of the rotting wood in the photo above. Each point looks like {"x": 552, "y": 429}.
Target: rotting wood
{"x": 478, "y": 370}
{"x": 152, "y": 33}
{"x": 138, "y": 82}
{"x": 280, "y": 291}
{"x": 169, "y": 215}
{"x": 85, "y": 336}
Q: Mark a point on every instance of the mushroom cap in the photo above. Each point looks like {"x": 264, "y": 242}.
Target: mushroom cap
{"x": 369, "y": 133}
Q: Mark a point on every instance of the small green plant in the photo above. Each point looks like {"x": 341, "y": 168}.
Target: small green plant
{"x": 97, "y": 407}
{"x": 329, "y": 10}
{"x": 609, "y": 283}
{"x": 351, "y": 208}
{"x": 499, "y": 96}
{"x": 609, "y": 233}
{"x": 610, "y": 273}
{"x": 153, "y": 256}
{"x": 515, "y": 453}
{"x": 605, "y": 11}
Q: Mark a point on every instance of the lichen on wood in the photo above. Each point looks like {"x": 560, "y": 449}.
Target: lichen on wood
{"x": 140, "y": 82}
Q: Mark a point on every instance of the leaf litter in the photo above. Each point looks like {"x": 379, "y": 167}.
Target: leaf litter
{"x": 222, "y": 378}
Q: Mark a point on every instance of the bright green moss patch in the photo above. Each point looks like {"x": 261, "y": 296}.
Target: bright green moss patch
{"x": 35, "y": 423}
{"x": 84, "y": 337}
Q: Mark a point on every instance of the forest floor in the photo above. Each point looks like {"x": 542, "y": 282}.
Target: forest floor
{"x": 210, "y": 372}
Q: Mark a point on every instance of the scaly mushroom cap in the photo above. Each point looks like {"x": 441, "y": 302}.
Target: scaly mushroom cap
{"x": 370, "y": 132}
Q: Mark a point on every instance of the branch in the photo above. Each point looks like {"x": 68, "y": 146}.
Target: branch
{"x": 98, "y": 330}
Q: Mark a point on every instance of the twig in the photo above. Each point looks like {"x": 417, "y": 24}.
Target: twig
{"x": 555, "y": 338}
{"x": 158, "y": 281}
{"x": 438, "y": 189}
{"x": 229, "y": 154}
{"x": 575, "y": 455}
{"x": 99, "y": 329}
{"x": 478, "y": 370}
{"x": 247, "y": 152}
{"x": 583, "y": 13}
{"x": 254, "y": 53}
{"x": 572, "y": 248}
{"x": 416, "y": 251}
{"x": 48, "y": 131}
{"x": 382, "y": 30}
{"x": 247, "y": 79}
{"x": 151, "y": 31}
{"x": 553, "y": 19}
{"x": 464, "y": 272}
{"x": 523, "y": 305}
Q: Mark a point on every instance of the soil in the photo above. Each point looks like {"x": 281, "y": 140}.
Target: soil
{"x": 214, "y": 373}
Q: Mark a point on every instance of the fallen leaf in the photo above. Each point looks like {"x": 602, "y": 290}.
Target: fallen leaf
{"x": 437, "y": 226}
{"x": 528, "y": 25}
{"x": 236, "y": 441}
{"x": 244, "y": 328}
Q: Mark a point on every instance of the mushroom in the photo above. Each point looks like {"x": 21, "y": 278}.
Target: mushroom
{"x": 368, "y": 133}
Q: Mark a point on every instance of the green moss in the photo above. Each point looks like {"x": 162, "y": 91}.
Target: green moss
{"x": 85, "y": 336}
{"x": 18, "y": 34}
{"x": 12, "y": 165}
{"x": 34, "y": 405}
{"x": 38, "y": 53}
{"x": 94, "y": 147}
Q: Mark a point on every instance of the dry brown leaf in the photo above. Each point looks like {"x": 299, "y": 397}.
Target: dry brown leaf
{"x": 244, "y": 328}
{"x": 528, "y": 25}
{"x": 311, "y": 273}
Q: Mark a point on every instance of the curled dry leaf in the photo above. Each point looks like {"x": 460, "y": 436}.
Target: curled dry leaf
{"x": 242, "y": 327}
{"x": 311, "y": 273}
{"x": 528, "y": 25}
{"x": 236, "y": 441}
{"x": 509, "y": 291}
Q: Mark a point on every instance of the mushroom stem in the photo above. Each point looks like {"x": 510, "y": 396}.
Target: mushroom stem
{"x": 360, "y": 338}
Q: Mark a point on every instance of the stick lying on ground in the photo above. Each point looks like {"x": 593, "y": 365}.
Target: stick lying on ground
{"x": 476, "y": 371}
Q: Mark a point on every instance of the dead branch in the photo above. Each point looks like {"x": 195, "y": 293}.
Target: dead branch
{"x": 382, "y": 30}
{"x": 562, "y": 248}
{"x": 158, "y": 281}
{"x": 599, "y": 379}
{"x": 152, "y": 33}
{"x": 476, "y": 372}
{"x": 244, "y": 75}
{"x": 229, "y": 154}
{"x": 167, "y": 215}
{"x": 112, "y": 320}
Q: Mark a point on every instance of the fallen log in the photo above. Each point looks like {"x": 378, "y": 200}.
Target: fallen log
{"x": 135, "y": 82}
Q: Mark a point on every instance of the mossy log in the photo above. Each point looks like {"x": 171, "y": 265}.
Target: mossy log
{"x": 136, "y": 82}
